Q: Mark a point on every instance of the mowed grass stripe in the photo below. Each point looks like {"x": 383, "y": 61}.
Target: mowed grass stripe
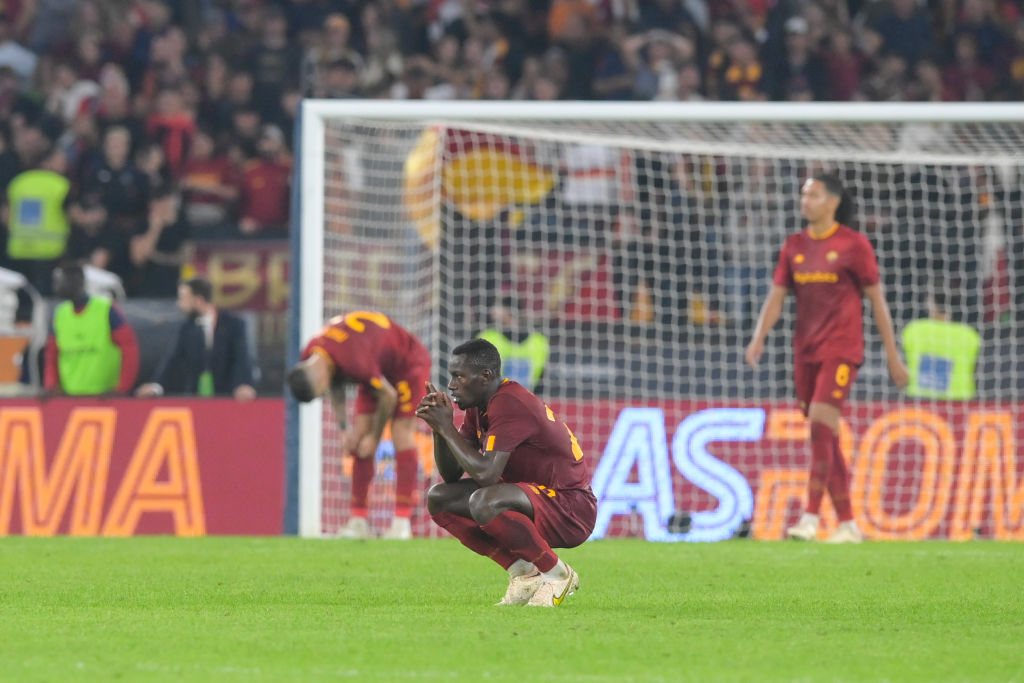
{"x": 286, "y": 609}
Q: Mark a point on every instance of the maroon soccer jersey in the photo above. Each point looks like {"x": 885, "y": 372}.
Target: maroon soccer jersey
{"x": 828, "y": 274}
{"x": 543, "y": 449}
{"x": 364, "y": 346}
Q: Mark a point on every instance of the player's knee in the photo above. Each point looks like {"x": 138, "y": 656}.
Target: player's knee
{"x": 439, "y": 498}
{"x": 483, "y": 506}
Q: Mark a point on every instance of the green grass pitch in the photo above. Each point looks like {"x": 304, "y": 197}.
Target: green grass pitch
{"x": 287, "y": 609}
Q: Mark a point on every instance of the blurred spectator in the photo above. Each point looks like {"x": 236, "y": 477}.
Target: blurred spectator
{"x": 21, "y": 60}
{"x": 274, "y": 62}
{"x": 741, "y": 75}
{"x": 967, "y": 78}
{"x": 115, "y": 106}
{"x": 927, "y": 85}
{"x": 37, "y": 223}
{"x": 654, "y": 57}
{"x": 209, "y": 182}
{"x": 331, "y": 48}
{"x": 905, "y": 31}
{"x": 800, "y": 74}
{"x": 172, "y": 125}
{"x": 265, "y": 190}
{"x": 156, "y": 249}
{"x": 613, "y": 69}
{"x": 210, "y": 355}
{"x": 91, "y": 349}
{"x": 844, "y": 66}
{"x": 978, "y": 18}
{"x": 111, "y": 202}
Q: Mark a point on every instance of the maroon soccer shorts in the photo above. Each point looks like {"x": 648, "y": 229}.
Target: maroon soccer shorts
{"x": 564, "y": 517}
{"x": 826, "y": 382}
{"x": 410, "y": 389}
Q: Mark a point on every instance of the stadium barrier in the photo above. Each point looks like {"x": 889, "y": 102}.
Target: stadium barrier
{"x": 123, "y": 467}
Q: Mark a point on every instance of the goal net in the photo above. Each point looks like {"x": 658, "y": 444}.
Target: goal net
{"x": 640, "y": 242}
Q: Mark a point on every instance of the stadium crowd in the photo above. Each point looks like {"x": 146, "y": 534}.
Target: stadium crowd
{"x": 171, "y": 120}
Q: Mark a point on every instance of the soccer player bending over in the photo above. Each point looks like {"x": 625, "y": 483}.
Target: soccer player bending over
{"x": 527, "y": 488}
{"x": 829, "y": 267}
{"x": 390, "y": 367}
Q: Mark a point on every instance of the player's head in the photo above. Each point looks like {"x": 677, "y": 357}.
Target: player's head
{"x": 475, "y": 369}
{"x": 194, "y": 296}
{"x": 823, "y": 198}
{"x": 69, "y": 281}
{"x": 309, "y": 379}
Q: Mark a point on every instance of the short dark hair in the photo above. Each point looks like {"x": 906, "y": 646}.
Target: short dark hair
{"x": 480, "y": 355}
{"x": 200, "y": 286}
{"x": 834, "y": 186}
{"x": 299, "y": 384}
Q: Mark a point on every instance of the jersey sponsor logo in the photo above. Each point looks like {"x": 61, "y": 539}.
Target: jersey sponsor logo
{"x": 815, "y": 277}
{"x": 799, "y": 258}
{"x": 831, "y": 256}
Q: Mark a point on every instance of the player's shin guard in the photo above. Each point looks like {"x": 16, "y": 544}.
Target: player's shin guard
{"x": 362, "y": 474}
{"x": 406, "y": 469}
{"x": 839, "y": 483}
{"x": 821, "y": 463}
{"x": 518, "y": 535}
{"x": 473, "y": 537}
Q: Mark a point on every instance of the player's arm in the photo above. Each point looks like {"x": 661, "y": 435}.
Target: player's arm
{"x": 453, "y": 452}
{"x": 387, "y": 398}
{"x": 883, "y": 319}
{"x": 447, "y": 466}
{"x": 771, "y": 311}
{"x": 336, "y": 393}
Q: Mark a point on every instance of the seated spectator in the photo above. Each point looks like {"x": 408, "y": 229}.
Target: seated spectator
{"x": 157, "y": 249}
{"x": 210, "y": 355}
{"x": 265, "y": 192}
{"x": 91, "y": 349}
{"x": 209, "y": 182}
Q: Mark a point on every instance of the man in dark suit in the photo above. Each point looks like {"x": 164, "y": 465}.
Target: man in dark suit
{"x": 210, "y": 357}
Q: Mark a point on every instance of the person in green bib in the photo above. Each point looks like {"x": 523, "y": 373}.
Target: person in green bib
{"x": 91, "y": 349}
{"x": 941, "y": 354}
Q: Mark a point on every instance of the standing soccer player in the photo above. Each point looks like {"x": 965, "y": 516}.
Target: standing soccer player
{"x": 390, "y": 366}
{"x": 527, "y": 489}
{"x": 830, "y": 267}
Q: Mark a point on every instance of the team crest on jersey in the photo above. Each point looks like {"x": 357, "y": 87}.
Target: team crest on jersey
{"x": 831, "y": 256}
{"x": 799, "y": 258}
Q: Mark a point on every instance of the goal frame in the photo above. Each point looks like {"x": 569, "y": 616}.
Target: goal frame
{"x": 303, "y": 444}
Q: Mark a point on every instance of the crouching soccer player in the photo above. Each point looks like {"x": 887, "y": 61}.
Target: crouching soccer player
{"x": 527, "y": 489}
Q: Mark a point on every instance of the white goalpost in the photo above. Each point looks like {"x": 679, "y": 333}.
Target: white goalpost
{"x": 639, "y": 239}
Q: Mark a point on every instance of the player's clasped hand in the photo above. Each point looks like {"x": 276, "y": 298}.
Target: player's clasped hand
{"x": 435, "y": 409}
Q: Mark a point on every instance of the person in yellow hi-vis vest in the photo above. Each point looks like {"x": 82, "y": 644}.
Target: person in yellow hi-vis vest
{"x": 523, "y": 355}
{"x": 941, "y": 354}
{"x": 37, "y": 223}
{"x": 91, "y": 349}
